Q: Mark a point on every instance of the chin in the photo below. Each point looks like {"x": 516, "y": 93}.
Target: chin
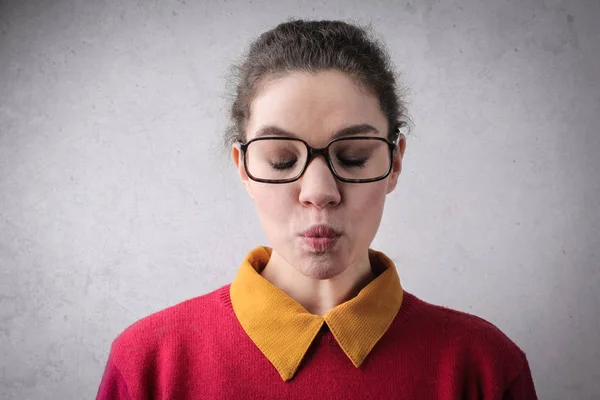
{"x": 322, "y": 265}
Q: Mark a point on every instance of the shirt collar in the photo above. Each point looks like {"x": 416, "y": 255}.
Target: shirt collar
{"x": 283, "y": 329}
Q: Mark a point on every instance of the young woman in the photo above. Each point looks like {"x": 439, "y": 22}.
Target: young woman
{"x": 315, "y": 137}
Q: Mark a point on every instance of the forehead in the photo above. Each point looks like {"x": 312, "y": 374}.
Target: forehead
{"x": 314, "y": 106}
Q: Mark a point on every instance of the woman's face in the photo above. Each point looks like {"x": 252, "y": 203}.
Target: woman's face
{"x": 313, "y": 108}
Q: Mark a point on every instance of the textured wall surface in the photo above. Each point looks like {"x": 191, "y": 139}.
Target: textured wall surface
{"x": 116, "y": 199}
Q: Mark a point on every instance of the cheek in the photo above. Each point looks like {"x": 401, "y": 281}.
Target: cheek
{"x": 273, "y": 202}
{"x": 367, "y": 201}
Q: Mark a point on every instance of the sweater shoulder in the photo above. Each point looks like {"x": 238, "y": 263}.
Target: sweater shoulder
{"x": 186, "y": 318}
{"x": 461, "y": 324}
{"x": 473, "y": 334}
{"x": 481, "y": 344}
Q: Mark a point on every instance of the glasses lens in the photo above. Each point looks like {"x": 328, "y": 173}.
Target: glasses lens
{"x": 360, "y": 158}
{"x": 275, "y": 159}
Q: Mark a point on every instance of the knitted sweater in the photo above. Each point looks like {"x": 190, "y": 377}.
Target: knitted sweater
{"x": 198, "y": 350}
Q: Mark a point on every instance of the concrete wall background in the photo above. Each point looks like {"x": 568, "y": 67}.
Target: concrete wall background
{"x": 115, "y": 200}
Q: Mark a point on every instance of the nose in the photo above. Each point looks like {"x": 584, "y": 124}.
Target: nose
{"x": 318, "y": 186}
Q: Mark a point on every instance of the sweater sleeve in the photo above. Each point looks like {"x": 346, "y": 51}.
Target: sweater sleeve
{"x": 112, "y": 386}
{"x": 522, "y": 388}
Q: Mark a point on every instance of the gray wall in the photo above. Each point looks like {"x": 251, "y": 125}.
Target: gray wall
{"x": 116, "y": 199}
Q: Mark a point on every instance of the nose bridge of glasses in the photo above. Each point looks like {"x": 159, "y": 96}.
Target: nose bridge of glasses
{"x": 316, "y": 151}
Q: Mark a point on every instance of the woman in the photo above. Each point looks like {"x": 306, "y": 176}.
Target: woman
{"x": 316, "y": 140}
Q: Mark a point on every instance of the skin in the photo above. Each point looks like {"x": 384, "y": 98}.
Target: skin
{"x": 314, "y": 107}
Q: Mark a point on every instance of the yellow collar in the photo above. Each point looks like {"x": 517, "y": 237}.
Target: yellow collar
{"x": 283, "y": 329}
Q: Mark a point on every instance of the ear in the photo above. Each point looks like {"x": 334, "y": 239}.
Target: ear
{"x": 237, "y": 155}
{"x": 396, "y": 164}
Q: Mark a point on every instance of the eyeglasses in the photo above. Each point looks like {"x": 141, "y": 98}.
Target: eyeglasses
{"x": 357, "y": 159}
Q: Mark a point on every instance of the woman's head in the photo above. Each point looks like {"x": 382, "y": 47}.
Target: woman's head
{"x": 313, "y": 46}
{"x": 317, "y": 81}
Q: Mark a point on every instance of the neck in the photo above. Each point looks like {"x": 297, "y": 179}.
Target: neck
{"x": 318, "y": 296}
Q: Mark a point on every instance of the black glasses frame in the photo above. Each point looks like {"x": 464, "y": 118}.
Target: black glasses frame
{"x": 324, "y": 151}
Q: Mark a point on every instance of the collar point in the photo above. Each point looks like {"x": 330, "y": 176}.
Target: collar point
{"x": 286, "y": 375}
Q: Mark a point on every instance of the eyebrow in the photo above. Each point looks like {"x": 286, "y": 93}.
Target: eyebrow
{"x": 359, "y": 129}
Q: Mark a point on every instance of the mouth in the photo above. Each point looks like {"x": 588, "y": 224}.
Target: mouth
{"x": 320, "y": 237}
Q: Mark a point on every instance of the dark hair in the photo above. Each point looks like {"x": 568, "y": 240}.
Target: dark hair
{"x": 312, "y": 46}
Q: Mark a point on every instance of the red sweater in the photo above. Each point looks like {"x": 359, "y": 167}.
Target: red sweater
{"x": 198, "y": 350}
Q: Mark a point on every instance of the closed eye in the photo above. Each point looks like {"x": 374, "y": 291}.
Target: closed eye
{"x": 281, "y": 166}
{"x": 353, "y": 162}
